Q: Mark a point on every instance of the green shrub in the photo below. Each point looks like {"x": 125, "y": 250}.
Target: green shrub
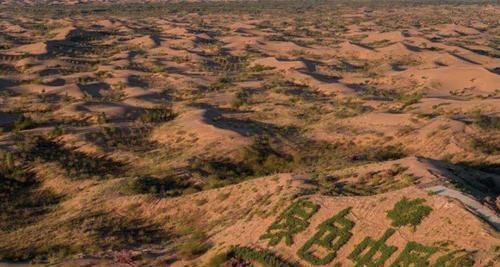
{"x": 76, "y": 164}
{"x": 194, "y": 246}
{"x": 157, "y": 115}
{"x": 166, "y": 186}
{"x": 218, "y": 260}
{"x": 408, "y": 212}
{"x": 23, "y": 123}
{"x": 487, "y": 122}
{"x": 385, "y": 153}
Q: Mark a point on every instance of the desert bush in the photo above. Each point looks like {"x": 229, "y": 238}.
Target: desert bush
{"x": 390, "y": 152}
{"x": 157, "y": 115}
{"x": 409, "y": 99}
{"x": 349, "y": 108}
{"x": 263, "y": 159}
{"x": 195, "y": 245}
{"x": 76, "y": 164}
{"x": 109, "y": 231}
{"x": 487, "y": 122}
{"x": 131, "y": 138}
{"x": 23, "y": 123}
{"x": 265, "y": 257}
{"x": 487, "y": 145}
{"x": 166, "y": 186}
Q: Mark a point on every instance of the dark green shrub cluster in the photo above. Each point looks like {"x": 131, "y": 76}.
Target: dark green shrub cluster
{"x": 332, "y": 234}
{"x": 391, "y": 152}
{"x": 117, "y": 232}
{"x": 75, "y": 163}
{"x": 157, "y": 115}
{"x": 23, "y": 123}
{"x": 409, "y": 99}
{"x": 225, "y": 63}
{"x": 39, "y": 255}
{"x": 487, "y": 122}
{"x": 349, "y": 108}
{"x": 257, "y": 160}
{"x": 415, "y": 255}
{"x": 166, "y": 186}
{"x": 486, "y": 145}
{"x": 241, "y": 98}
{"x": 263, "y": 159}
{"x": 408, "y": 212}
{"x": 106, "y": 232}
{"x": 374, "y": 247}
{"x": 291, "y": 221}
{"x": 220, "y": 173}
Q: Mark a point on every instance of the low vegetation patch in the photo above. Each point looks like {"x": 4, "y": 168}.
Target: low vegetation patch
{"x": 408, "y": 212}
{"x": 166, "y": 186}
{"x": 244, "y": 256}
{"x": 76, "y": 164}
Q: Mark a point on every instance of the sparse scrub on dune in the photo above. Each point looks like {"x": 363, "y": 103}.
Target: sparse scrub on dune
{"x": 241, "y": 98}
{"x": 157, "y": 115}
{"x": 23, "y": 123}
{"x": 409, "y": 99}
{"x": 194, "y": 245}
{"x": 259, "y": 159}
{"x": 221, "y": 84}
{"x": 76, "y": 164}
{"x": 349, "y": 108}
{"x": 131, "y": 139}
{"x": 165, "y": 186}
{"x": 390, "y": 152}
{"x": 487, "y": 122}
{"x": 246, "y": 255}
{"x": 371, "y": 183}
{"x": 22, "y": 200}
{"x": 487, "y": 145}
